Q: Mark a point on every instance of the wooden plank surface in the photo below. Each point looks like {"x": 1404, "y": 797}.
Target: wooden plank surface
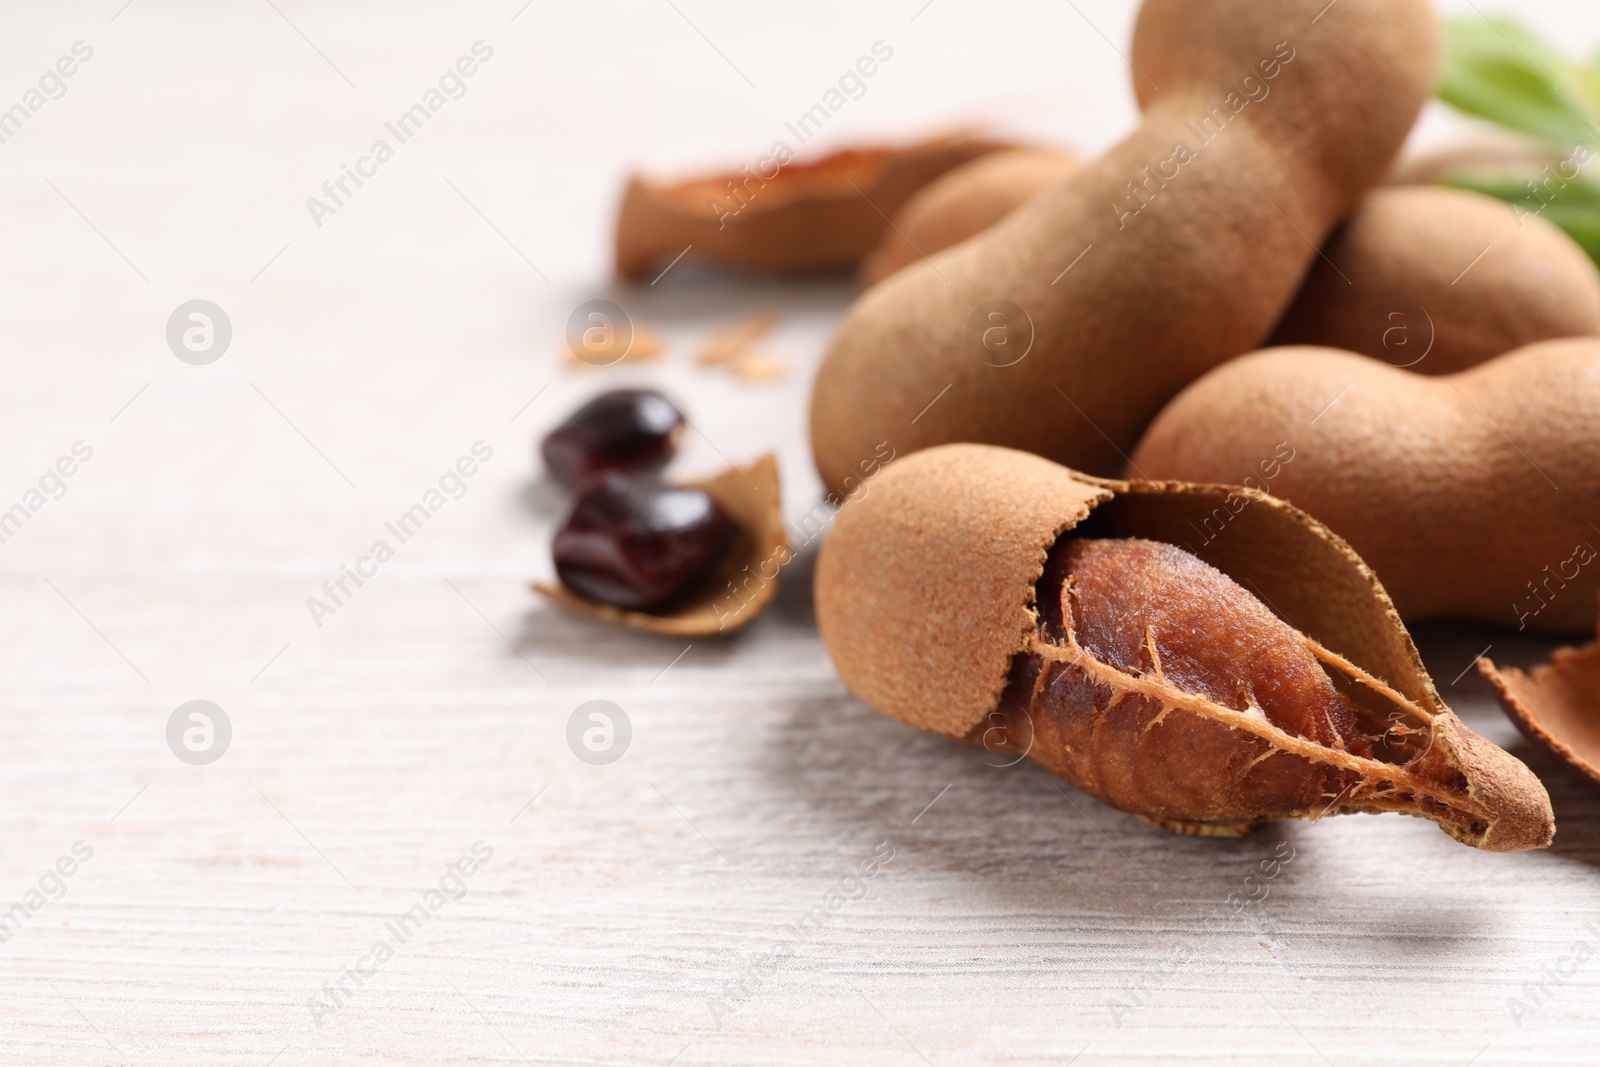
{"x": 771, "y": 873}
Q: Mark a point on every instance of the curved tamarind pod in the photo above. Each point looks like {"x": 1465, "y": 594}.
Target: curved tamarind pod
{"x": 967, "y": 200}
{"x": 796, "y": 218}
{"x": 1473, "y": 495}
{"x": 1204, "y": 685}
{"x": 1064, "y": 328}
{"x": 1435, "y": 280}
{"x": 1440, "y": 280}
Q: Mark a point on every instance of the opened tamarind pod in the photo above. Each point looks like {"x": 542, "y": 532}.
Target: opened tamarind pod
{"x": 1205, "y": 685}
{"x": 1062, "y": 329}
{"x": 778, "y": 216}
{"x": 966, "y": 201}
{"x": 1440, "y": 280}
{"x": 1475, "y": 495}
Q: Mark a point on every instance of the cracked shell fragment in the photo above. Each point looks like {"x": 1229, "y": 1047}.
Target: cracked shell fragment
{"x": 1557, "y": 704}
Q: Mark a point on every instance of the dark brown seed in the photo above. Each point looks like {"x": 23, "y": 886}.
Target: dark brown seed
{"x": 632, "y": 541}
{"x": 623, "y": 430}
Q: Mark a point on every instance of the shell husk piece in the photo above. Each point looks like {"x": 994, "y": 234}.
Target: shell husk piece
{"x": 924, "y": 587}
{"x": 751, "y": 497}
{"x": 1557, "y": 704}
{"x": 925, "y": 594}
{"x": 810, "y": 217}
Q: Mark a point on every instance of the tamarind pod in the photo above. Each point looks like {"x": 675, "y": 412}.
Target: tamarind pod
{"x": 1439, "y": 280}
{"x": 1435, "y": 280}
{"x": 1206, "y": 685}
{"x": 1474, "y": 495}
{"x": 966, "y": 201}
{"x": 1150, "y": 265}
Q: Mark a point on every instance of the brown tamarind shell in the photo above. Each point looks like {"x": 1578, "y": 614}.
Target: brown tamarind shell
{"x": 1557, "y": 704}
{"x": 965, "y": 201}
{"x": 817, "y": 216}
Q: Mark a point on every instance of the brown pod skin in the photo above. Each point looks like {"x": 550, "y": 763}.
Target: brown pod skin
{"x": 964, "y": 202}
{"x": 999, "y": 598}
{"x": 1471, "y": 495}
{"x": 804, "y": 218}
{"x": 1440, "y": 280}
{"x": 1402, "y": 280}
{"x": 1557, "y": 704}
{"x": 1202, "y": 272}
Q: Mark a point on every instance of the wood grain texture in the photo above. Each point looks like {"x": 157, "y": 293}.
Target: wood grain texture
{"x": 626, "y": 902}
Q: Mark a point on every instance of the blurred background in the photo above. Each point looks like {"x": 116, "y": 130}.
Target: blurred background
{"x": 373, "y": 346}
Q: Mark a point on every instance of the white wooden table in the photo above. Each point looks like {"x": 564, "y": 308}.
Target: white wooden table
{"x": 654, "y": 910}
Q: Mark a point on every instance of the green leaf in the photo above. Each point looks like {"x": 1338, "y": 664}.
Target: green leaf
{"x": 1582, "y": 226}
{"x": 1495, "y": 69}
{"x": 1591, "y": 83}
